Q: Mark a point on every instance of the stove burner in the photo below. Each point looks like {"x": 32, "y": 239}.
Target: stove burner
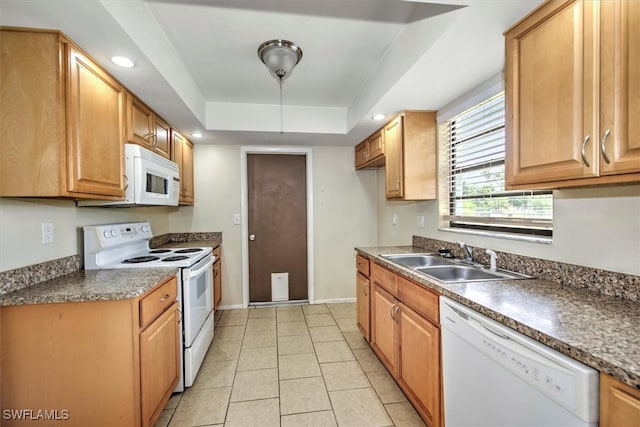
{"x": 175, "y": 258}
{"x": 188, "y": 251}
{"x": 160, "y": 251}
{"x": 139, "y": 259}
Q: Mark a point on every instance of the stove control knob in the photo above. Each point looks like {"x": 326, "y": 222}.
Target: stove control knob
{"x": 105, "y": 233}
{"x": 113, "y": 233}
{"x": 145, "y": 228}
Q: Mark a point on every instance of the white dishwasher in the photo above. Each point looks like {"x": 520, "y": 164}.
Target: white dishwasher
{"x": 495, "y": 376}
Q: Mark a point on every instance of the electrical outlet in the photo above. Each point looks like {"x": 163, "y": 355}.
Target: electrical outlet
{"x": 236, "y": 219}
{"x": 394, "y": 219}
{"x": 47, "y": 232}
{"x": 420, "y": 221}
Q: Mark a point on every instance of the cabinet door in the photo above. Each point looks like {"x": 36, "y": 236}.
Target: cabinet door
{"x": 393, "y": 162}
{"x": 159, "y": 363}
{"x": 186, "y": 177}
{"x": 161, "y": 137}
{"x": 551, "y": 93}
{"x": 619, "y": 403}
{"x": 217, "y": 284}
{"x": 95, "y": 129}
{"x": 361, "y": 154}
{"x": 139, "y": 123}
{"x": 383, "y": 327}
{"x": 619, "y": 87}
{"x": 363, "y": 305}
{"x": 419, "y": 362}
{"x": 375, "y": 145}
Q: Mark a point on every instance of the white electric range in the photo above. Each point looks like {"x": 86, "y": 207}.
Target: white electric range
{"x": 127, "y": 246}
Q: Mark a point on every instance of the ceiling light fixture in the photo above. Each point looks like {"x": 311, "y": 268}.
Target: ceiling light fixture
{"x": 197, "y": 135}
{"x": 280, "y": 57}
{"x": 122, "y": 61}
{"x": 378, "y": 117}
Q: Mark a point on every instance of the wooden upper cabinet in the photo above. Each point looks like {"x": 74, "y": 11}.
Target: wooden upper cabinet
{"x": 145, "y": 128}
{"x": 370, "y": 152}
{"x": 62, "y": 120}
{"x": 410, "y": 150}
{"x": 394, "y": 162}
{"x": 182, "y": 154}
{"x": 571, "y": 74}
{"x": 95, "y": 106}
{"x": 619, "y": 87}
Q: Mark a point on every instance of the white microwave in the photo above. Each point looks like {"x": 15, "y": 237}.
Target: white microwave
{"x": 150, "y": 180}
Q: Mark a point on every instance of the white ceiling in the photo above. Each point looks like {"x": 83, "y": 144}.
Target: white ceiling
{"x": 197, "y": 66}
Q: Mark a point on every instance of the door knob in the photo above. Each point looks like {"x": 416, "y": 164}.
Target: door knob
{"x": 252, "y": 237}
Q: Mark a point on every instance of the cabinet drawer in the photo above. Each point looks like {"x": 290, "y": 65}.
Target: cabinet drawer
{"x": 217, "y": 252}
{"x": 418, "y": 298}
{"x": 362, "y": 264}
{"x": 383, "y": 278}
{"x": 156, "y": 301}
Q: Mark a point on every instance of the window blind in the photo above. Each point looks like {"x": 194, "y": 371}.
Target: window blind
{"x": 473, "y": 144}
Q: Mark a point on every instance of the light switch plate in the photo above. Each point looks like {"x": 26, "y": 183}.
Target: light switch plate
{"x": 394, "y": 219}
{"x": 236, "y": 219}
{"x": 420, "y": 221}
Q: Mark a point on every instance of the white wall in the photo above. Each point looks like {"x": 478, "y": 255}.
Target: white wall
{"x": 20, "y": 231}
{"x": 344, "y": 215}
{"x": 597, "y": 227}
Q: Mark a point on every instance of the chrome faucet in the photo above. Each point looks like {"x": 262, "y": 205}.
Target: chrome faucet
{"x": 492, "y": 259}
{"x": 468, "y": 256}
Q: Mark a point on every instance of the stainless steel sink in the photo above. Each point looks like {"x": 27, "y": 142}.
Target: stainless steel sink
{"x": 418, "y": 260}
{"x": 450, "y": 270}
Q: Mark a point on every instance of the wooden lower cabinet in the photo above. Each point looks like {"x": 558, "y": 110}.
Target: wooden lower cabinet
{"x": 363, "y": 297}
{"x": 159, "y": 363}
{"x": 217, "y": 278}
{"x": 418, "y": 371}
{"x": 383, "y": 327}
{"x": 407, "y": 340}
{"x": 92, "y": 362}
{"x": 363, "y": 305}
{"x": 619, "y": 403}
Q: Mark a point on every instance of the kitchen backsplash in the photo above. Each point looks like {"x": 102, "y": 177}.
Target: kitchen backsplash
{"x": 163, "y": 239}
{"x": 23, "y": 277}
{"x": 621, "y": 285}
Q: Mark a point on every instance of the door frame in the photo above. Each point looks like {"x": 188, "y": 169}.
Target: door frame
{"x": 244, "y": 204}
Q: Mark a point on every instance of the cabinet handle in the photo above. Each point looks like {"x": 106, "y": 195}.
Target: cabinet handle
{"x": 366, "y": 290}
{"x": 392, "y": 307}
{"x": 398, "y": 185}
{"x": 164, "y": 298}
{"x": 582, "y": 152}
{"x": 394, "y": 313}
{"x": 603, "y": 147}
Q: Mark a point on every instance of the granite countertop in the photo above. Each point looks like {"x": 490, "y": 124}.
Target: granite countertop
{"x": 90, "y": 285}
{"x": 598, "y": 330}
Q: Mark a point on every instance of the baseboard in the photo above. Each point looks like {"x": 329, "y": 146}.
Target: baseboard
{"x": 334, "y": 300}
{"x": 230, "y": 307}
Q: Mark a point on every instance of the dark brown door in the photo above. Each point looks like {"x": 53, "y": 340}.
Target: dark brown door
{"x": 277, "y": 203}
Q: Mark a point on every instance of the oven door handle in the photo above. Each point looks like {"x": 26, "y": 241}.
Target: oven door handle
{"x": 188, "y": 274}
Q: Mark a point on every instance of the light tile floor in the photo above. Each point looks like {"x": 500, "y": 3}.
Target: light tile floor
{"x": 290, "y": 366}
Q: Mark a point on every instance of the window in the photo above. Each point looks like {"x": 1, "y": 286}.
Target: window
{"x": 472, "y": 153}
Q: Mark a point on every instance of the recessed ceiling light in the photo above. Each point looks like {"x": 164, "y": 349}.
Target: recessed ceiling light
{"x": 196, "y": 135}
{"x": 378, "y": 117}
{"x": 122, "y": 61}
